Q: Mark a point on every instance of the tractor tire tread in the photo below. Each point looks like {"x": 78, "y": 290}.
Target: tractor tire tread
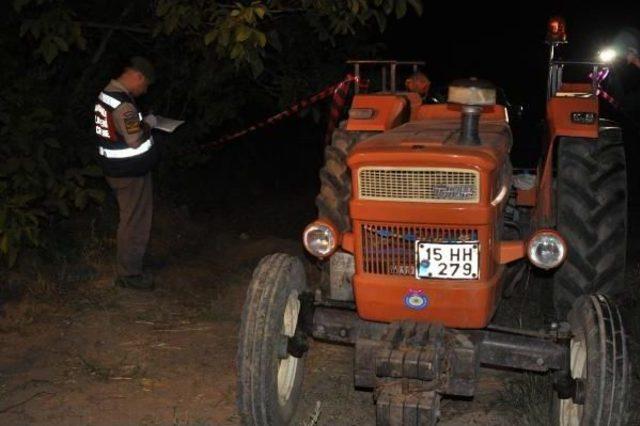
{"x": 591, "y": 216}
{"x": 335, "y": 178}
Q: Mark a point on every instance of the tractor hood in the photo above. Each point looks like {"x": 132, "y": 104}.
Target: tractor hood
{"x": 434, "y": 144}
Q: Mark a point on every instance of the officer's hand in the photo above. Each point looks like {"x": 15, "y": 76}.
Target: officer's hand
{"x": 151, "y": 120}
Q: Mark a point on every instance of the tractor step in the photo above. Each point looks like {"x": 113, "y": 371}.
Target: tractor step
{"x": 399, "y": 405}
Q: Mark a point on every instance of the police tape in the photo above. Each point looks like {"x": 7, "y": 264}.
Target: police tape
{"x": 600, "y": 77}
{"x": 339, "y": 91}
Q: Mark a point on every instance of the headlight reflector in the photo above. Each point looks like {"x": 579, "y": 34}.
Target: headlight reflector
{"x": 320, "y": 239}
{"x": 546, "y": 249}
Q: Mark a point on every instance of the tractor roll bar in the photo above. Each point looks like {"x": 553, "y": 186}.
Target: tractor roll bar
{"x": 556, "y": 67}
{"x": 392, "y": 65}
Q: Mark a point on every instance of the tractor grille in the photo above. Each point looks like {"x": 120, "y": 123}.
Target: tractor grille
{"x": 390, "y": 250}
{"x": 436, "y": 185}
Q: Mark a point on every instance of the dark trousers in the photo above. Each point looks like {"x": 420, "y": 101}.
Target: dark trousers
{"x": 135, "y": 202}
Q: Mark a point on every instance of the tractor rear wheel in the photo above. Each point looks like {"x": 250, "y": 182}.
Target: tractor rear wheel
{"x": 269, "y": 377}
{"x": 335, "y": 178}
{"x": 599, "y": 364}
{"x": 591, "y": 191}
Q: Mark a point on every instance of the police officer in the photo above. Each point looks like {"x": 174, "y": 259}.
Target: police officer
{"x": 624, "y": 85}
{"x": 627, "y": 92}
{"x": 127, "y": 154}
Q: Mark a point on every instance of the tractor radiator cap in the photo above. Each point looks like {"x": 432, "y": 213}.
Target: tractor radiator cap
{"x": 472, "y": 92}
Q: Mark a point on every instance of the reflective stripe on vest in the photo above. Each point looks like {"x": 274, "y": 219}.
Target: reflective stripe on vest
{"x": 109, "y": 100}
{"x": 127, "y": 152}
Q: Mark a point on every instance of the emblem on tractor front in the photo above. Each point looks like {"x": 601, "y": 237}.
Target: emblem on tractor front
{"x": 416, "y": 300}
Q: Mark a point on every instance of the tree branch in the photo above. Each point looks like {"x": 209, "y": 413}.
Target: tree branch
{"x": 115, "y": 27}
{"x": 103, "y": 45}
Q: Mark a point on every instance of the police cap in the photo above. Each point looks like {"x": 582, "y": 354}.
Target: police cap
{"x": 144, "y": 66}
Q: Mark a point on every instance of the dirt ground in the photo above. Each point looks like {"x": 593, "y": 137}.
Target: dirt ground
{"x": 92, "y": 354}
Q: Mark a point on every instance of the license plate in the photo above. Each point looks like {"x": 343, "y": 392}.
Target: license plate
{"x": 450, "y": 261}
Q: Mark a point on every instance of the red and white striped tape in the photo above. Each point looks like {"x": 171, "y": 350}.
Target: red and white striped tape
{"x": 602, "y": 74}
{"x": 339, "y": 91}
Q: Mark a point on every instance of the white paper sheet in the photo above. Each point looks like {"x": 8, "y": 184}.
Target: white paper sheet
{"x": 167, "y": 124}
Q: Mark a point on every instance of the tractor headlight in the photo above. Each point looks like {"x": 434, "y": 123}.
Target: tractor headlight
{"x": 320, "y": 239}
{"x": 607, "y": 55}
{"x": 546, "y": 249}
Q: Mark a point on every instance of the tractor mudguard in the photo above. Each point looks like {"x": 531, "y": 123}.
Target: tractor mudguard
{"x": 560, "y": 124}
{"x": 381, "y": 112}
{"x": 559, "y": 116}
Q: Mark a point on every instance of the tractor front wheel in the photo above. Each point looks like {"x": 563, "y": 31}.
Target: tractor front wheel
{"x": 269, "y": 376}
{"x": 598, "y": 364}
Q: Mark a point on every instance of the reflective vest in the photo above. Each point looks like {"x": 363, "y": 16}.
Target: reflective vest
{"x": 116, "y": 157}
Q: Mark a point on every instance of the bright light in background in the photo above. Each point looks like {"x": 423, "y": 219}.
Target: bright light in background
{"x": 607, "y": 55}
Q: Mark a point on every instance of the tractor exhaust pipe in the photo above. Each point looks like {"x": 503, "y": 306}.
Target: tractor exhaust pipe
{"x": 469, "y": 134}
{"x": 472, "y": 94}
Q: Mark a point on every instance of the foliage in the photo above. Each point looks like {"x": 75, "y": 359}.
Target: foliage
{"x": 35, "y": 179}
{"x": 242, "y": 32}
{"x": 40, "y": 177}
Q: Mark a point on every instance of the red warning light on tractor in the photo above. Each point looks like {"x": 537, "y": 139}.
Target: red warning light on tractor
{"x": 556, "y": 30}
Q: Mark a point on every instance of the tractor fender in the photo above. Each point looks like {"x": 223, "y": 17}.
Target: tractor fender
{"x": 560, "y": 124}
{"x": 382, "y": 112}
{"x": 559, "y": 113}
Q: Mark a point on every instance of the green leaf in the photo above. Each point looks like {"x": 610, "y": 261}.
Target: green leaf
{"x": 23, "y": 199}
{"x": 388, "y": 7}
{"x": 274, "y": 40}
{"x": 210, "y": 37}
{"x": 243, "y": 33}
{"x": 224, "y": 38}
{"x": 63, "y": 208}
{"x": 19, "y": 4}
{"x": 262, "y": 38}
{"x": 96, "y": 194}
{"x": 62, "y": 44}
{"x": 260, "y": 11}
{"x": 237, "y": 51}
{"x": 257, "y": 66}
{"x": 81, "y": 200}
{"x": 92, "y": 170}
{"x": 81, "y": 42}
{"x": 31, "y": 236}
{"x": 401, "y": 8}
{"x": 32, "y": 218}
{"x": 381, "y": 19}
{"x": 417, "y": 6}
{"x": 49, "y": 51}
{"x": 24, "y": 28}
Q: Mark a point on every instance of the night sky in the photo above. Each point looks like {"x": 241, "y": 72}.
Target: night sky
{"x": 504, "y": 41}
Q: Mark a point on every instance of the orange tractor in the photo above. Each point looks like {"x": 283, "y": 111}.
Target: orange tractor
{"x": 422, "y": 227}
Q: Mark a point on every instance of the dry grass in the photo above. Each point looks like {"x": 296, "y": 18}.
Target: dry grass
{"x": 528, "y": 397}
